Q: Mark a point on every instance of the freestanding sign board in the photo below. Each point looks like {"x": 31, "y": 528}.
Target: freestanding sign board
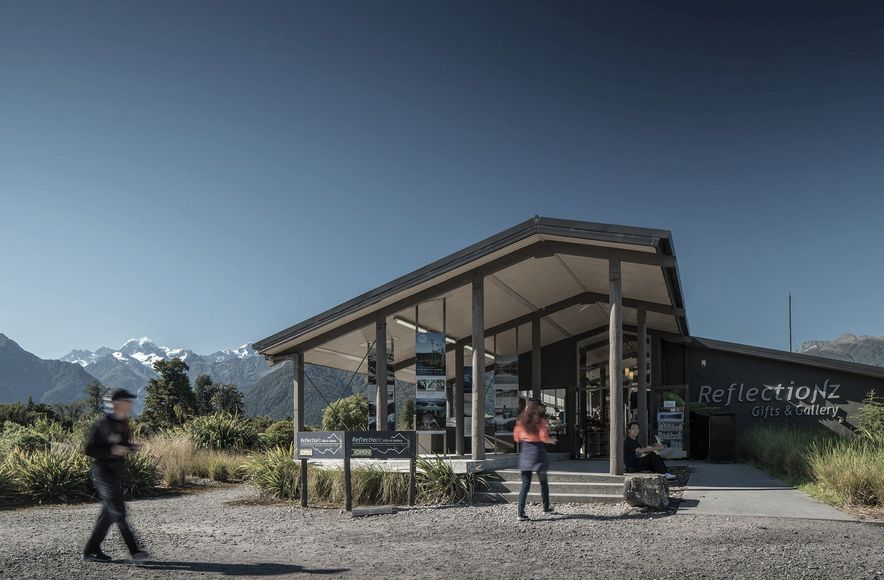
{"x": 382, "y": 445}
{"x": 361, "y": 445}
{"x": 321, "y": 445}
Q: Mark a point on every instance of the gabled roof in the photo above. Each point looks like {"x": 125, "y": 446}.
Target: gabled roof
{"x": 529, "y": 267}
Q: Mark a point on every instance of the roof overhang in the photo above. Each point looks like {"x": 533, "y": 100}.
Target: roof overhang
{"x": 547, "y": 269}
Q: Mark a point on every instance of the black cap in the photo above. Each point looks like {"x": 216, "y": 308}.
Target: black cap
{"x": 120, "y": 394}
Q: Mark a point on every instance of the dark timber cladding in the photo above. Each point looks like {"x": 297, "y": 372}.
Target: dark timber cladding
{"x": 548, "y": 278}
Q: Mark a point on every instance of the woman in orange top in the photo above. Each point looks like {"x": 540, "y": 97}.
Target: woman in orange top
{"x": 532, "y": 431}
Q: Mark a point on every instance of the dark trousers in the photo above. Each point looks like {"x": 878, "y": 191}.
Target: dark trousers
{"x": 526, "y": 486}
{"x": 113, "y": 511}
{"x": 650, "y": 462}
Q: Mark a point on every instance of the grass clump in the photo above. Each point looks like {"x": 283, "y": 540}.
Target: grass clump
{"x": 437, "y": 483}
{"x": 275, "y": 473}
{"x": 174, "y": 455}
{"x": 852, "y": 472}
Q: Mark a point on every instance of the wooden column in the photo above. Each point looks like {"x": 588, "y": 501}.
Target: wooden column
{"x": 298, "y": 398}
{"x": 478, "y": 420}
{"x": 380, "y": 377}
{"x": 615, "y": 364}
{"x": 458, "y": 399}
{"x": 642, "y": 376}
{"x": 535, "y": 359}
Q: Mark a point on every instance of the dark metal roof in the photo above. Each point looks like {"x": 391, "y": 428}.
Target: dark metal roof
{"x": 789, "y": 357}
{"x": 661, "y": 240}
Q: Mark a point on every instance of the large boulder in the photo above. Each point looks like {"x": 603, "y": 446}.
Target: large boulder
{"x": 646, "y": 490}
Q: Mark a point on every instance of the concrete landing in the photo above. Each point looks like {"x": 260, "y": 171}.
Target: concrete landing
{"x": 743, "y": 490}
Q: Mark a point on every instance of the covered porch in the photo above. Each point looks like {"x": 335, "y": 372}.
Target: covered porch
{"x": 582, "y": 306}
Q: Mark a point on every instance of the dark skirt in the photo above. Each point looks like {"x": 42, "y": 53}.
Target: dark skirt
{"x": 533, "y": 457}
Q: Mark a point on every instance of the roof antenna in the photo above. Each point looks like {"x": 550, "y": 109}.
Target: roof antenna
{"x": 790, "y": 322}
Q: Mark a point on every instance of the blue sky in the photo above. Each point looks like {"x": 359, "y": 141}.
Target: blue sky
{"x": 208, "y": 173}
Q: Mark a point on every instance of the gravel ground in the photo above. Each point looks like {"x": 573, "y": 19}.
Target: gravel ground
{"x": 223, "y": 533}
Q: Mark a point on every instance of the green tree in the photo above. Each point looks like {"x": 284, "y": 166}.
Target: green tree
{"x": 405, "y": 420}
{"x": 227, "y": 399}
{"x": 95, "y": 393}
{"x": 170, "y": 400}
{"x": 347, "y": 414}
{"x": 203, "y": 391}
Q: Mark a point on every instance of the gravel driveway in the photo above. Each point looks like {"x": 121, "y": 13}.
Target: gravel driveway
{"x": 218, "y": 533}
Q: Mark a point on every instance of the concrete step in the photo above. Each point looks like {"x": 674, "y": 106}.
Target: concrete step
{"x": 554, "y": 498}
{"x": 562, "y": 476}
{"x": 568, "y": 487}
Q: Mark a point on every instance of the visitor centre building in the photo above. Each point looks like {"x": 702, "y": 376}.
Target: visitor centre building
{"x": 588, "y": 318}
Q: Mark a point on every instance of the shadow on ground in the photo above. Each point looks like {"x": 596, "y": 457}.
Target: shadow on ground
{"x": 254, "y": 569}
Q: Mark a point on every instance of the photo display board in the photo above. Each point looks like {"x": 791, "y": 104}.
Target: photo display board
{"x": 372, "y": 392}
{"x": 506, "y": 394}
{"x": 430, "y": 403}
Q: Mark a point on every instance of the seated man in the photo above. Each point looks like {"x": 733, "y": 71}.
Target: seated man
{"x": 642, "y": 458}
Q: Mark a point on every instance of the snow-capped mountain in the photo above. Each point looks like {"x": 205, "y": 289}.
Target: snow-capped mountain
{"x": 131, "y": 365}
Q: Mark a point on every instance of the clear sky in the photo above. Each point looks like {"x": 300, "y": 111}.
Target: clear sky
{"x": 208, "y": 173}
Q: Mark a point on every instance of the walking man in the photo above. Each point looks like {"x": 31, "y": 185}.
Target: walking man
{"x": 108, "y": 445}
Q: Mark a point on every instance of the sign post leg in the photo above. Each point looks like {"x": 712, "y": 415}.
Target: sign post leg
{"x": 303, "y": 483}
{"x": 348, "y": 485}
{"x": 412, "y": 487}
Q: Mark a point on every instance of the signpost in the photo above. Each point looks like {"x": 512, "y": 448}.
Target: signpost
{"x": 345, "y": 445}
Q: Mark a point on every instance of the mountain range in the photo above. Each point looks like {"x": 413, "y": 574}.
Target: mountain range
{"x": 867, "y": 350}
{"x": 267, "y": 390}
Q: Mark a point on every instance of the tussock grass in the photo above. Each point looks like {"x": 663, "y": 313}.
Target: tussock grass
{"x": 218, "y": 465}
{"x": 836, "y": 470}
{"x": 174, "y": 454}
{"x": 851, "y": 471}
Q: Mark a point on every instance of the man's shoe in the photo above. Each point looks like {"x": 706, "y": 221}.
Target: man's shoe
{"x": 670, "y": 476}
{"x": 524, "y": 517}
{"x": 98, "y": 556}
{"x": 549, "y": 510}
{"x": 140, "y": 556}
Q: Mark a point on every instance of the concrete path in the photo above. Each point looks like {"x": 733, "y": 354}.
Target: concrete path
{"x": 742, "y": 490}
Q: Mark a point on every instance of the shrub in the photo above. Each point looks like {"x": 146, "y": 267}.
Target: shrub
{"x": 279, "y": 434}
{"x": 51, "y": 476}
{"x": 438, "y": 484}
{"x": 871, "y": 419}
{"x": 347, "y": 414}
{"x": 18, "y": 437}
{"x": 222, "y": 431}
{"x": 275, "y": 473}
{"x": 52, "y": 430}
{"x": 7, "y": 484}
{"x": 262, "y": 423}
{"x": 174, "y": 454}
{"x": 142, "y": 475}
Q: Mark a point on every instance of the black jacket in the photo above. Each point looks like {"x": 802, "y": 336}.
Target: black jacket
{"x": 106, "y": 432}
